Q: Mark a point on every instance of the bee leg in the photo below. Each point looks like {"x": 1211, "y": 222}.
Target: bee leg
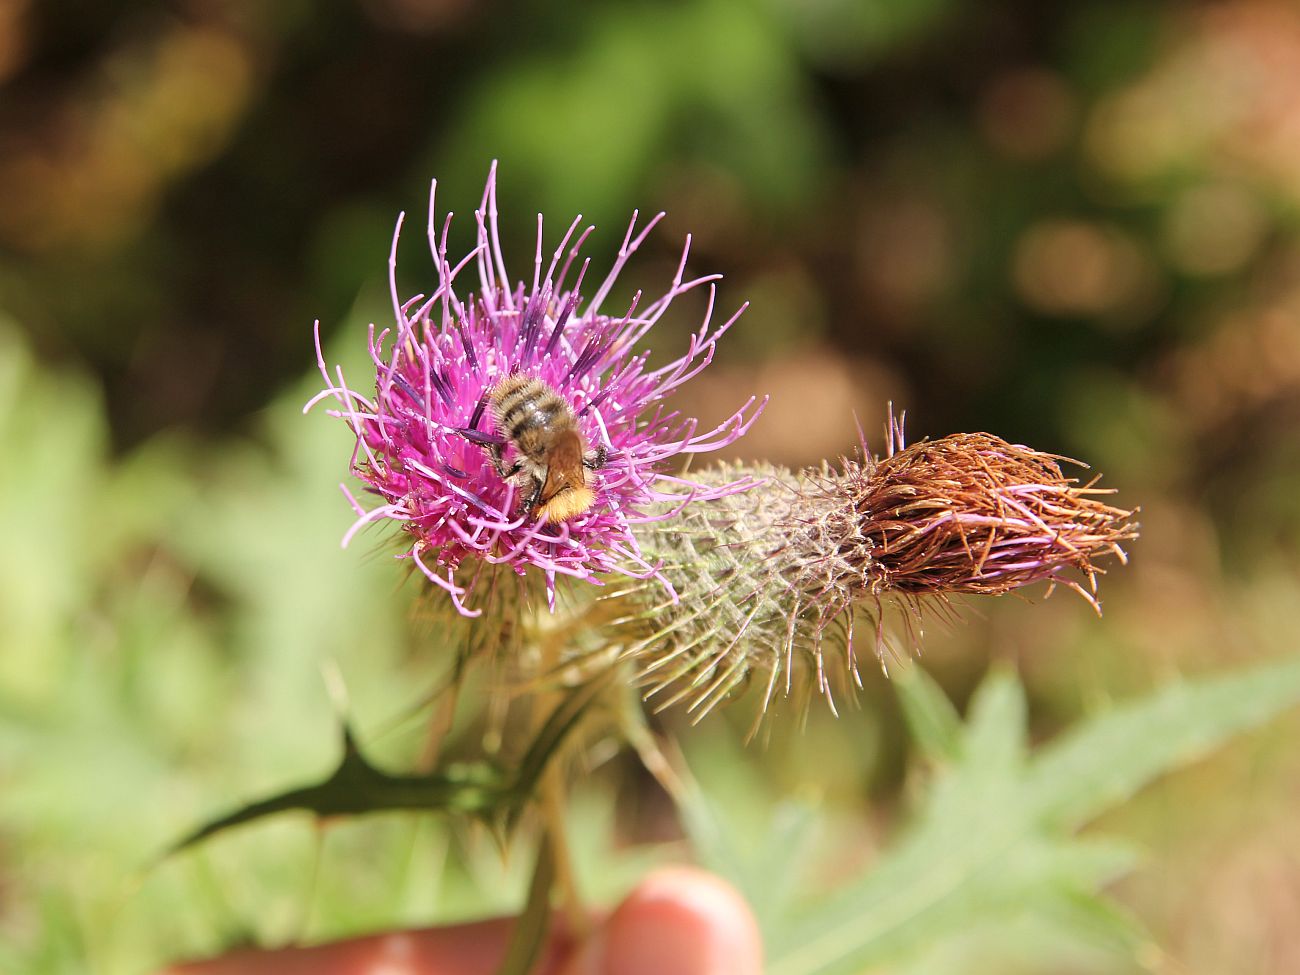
{"x": 534, "y": 498}
{"x": 499, "y": 462}
{"x": 597, "y": 461}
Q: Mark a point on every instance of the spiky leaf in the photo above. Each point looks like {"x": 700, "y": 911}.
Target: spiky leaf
{"x": 994, "y": 839}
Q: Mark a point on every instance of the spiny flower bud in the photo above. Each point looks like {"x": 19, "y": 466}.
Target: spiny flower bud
{"x": 775, "y": 579}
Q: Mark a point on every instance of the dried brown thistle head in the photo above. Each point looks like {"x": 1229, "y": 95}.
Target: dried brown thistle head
{"x": 971, "y": 513}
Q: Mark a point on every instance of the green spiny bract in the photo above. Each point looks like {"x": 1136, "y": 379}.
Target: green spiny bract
{"x": 762, "y": 579}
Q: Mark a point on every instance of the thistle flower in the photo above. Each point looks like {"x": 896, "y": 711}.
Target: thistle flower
{"x": 426, "y": 438}
{"x": 781, "y": 574}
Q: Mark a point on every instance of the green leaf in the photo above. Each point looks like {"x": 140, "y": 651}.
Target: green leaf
{"x": 1098, "y": 921}
{"x": 931, "y": 718}
{"x": 472, "y": 788}
{"x": 357, "y": 787}
{"x": 996, "y": 725}
{"x": 992, "y": 839}
{"x": 1101, "y": 763}
{"x": 1091, "y": 862}
{"x": 750, "y": 862}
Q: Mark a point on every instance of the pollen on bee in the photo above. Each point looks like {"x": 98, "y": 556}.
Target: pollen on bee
{"x": 567, "y": 504}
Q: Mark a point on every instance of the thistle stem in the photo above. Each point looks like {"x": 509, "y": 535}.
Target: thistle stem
{"x": 552, "y": 800}
{"x": 551, "y": 797}
{"x": 440, "y": 724}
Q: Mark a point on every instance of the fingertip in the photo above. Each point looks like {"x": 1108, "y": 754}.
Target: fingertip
{"x": 681, "y": 920}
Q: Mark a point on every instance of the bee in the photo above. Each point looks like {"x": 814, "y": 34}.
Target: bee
{"x": 549, "y": 450}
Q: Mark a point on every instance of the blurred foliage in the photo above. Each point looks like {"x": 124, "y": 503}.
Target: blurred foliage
{"x": 1071, "y": 224}
{"x": 990, "y": 841}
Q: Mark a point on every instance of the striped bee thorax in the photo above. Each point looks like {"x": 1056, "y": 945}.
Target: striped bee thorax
{"x": 530, "y": 414}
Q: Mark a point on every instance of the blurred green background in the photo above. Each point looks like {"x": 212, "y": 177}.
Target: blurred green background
{"x": 1071, "y": 224}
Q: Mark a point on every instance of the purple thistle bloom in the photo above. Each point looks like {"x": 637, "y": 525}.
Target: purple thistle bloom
{"x": 425, "y": 439}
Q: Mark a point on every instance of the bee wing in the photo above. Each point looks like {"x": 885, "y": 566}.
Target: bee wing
{"x": 564, "y": 465}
